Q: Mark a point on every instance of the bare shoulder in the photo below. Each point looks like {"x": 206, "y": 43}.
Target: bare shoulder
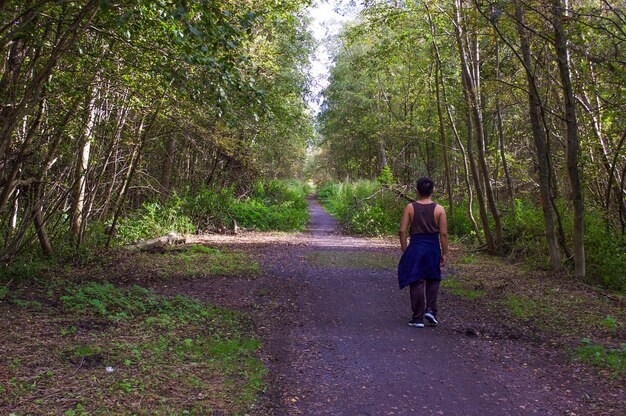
{"x": 408, "y": 207}
{"x": 439, "y": 209}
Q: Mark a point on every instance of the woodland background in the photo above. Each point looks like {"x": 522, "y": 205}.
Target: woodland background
{"x": 124, "y": 120}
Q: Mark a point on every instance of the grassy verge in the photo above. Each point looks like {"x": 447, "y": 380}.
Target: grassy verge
{"x": 588, "y": 322}
{"x": 74, "y": 346}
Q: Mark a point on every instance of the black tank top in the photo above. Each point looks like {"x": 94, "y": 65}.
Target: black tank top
{"x": 424, "y": 219}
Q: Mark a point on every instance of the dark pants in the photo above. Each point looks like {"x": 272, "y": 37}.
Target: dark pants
{"x": 424, "y": 297}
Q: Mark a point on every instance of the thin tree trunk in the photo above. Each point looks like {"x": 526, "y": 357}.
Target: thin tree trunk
{"x": 470, "y": 119}
{"x": 538, "y": 131}
{"x": 479, "y": 126}
{"x": 539, "y": 136}
{"x": 560, "y": 39}
{"x": 40, "y": 226}
{"x": 82, "y": 164}
{"x": 444, "y": 141}
{"x": 134, "y": 161}
{"x": 621, "y": 195}
{"x": 9, "y": 119}
{"x": 470, "y": 193}
{"x": 168, "y": 162}
{"x": 499, "y": 125}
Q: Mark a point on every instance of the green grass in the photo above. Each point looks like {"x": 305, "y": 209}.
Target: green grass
{"x": 459, "y": 288}
{"x": 352, "y": 259}
{"x": 601, "y": 356}
{"x": 161, "y": 349}
{"x": 203, "y": 260}
{"x": 522, "y": 307}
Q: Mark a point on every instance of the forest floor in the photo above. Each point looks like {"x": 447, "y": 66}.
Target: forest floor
{"x": 333, "y": 329}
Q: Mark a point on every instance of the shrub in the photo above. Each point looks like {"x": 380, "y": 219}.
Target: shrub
{"x": 605, "y": 252}
{"x": 363, "y": 207}
{"x": 155, "y": 219}
{"x": 272, "y": 205}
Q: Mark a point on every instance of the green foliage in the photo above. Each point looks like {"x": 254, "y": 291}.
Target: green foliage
{"x": 459, "y": 223}
{"x": 386, "y": 176}
{"x": 274, "y": 205}
{"x": 209, "y": 208}
{"x": 25, "y": 269}
{"x": 154, "y": 220}
{"x": 109, "y": 301}
{"x": 599, "y": 355}
{"x": 521, "y": 307}
{"x": 86, "y": 350}
{"x": 363, "y": 207}
{"x": 171, "y": 333}
{"x": 605, "y": 252}
{"x": 203, "y": 260}
{"x": 611, "y": 323}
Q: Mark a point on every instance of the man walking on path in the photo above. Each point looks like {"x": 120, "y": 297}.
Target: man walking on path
{"x": 421, "y": 262}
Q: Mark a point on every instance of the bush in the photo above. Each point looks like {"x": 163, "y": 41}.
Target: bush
{"x": 459, "y": 223}
{"x": 604, "y": 250}
{"x": 275, "y": 205}
{"x": 209, "y": 208}
{"x": 363, "y": 207}
{"x": 605, "y": 253}
{"x": 272, "y": 205}
{"x": 155, "y": 219}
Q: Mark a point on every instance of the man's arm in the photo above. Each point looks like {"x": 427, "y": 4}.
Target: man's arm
{"x": 443, "y": 234}
{"x": 404, "y": 224}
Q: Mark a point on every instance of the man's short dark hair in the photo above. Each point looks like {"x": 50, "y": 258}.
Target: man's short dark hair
{"x": 425, "y": 186}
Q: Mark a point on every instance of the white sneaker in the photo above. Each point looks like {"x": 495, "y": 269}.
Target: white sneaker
{"x": 430, "y": 317}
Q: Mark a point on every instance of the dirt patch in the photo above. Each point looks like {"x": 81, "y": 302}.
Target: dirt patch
{"x": 334, "y": 259}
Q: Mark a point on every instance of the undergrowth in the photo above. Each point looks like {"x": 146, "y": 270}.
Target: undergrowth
{"x": 275, "y": 205}
{"x": 599, "y": 355}
{"x": 545, "y": 306}
{"x": 112, "y": 349}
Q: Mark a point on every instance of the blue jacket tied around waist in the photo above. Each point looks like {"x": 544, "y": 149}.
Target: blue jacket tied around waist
{"x": 420, "y": 260}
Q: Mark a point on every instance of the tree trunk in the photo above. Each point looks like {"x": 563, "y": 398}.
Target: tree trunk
{"x": 539, "y": 137}
{"x": 82, "y": 164}
{"x": 134, "y": 161}
{"x": 499, "y": 125}
{"x": 168, "y": 162}
{"x": 13, "y": 113}
{"x": 479, "y": 126}
{"x": 470, "y": 193}
{"x": 472, "y": 118}
{"x": 40, "y": 226}
{"x": 562, "y": 52}
{"x": 444, "y": 140}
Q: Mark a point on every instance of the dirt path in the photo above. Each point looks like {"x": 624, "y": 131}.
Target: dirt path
{"x": 335, "y": 328}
